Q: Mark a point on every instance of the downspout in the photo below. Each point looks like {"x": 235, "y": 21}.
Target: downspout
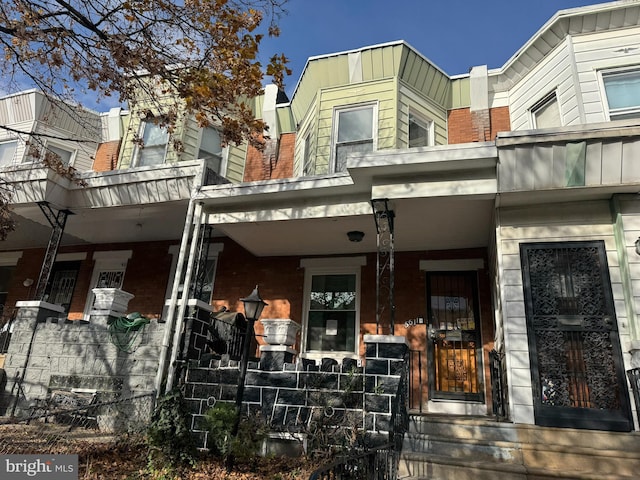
{"x": 177, "y": 333}
{"x": 164, "y": 352}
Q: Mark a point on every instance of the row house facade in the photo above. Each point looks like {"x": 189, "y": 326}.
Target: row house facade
{"x": 510, "y": 196}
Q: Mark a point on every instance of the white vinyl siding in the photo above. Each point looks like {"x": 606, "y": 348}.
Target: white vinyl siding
{"x": 599, "y": 52}
{"x": 553, "y": 73}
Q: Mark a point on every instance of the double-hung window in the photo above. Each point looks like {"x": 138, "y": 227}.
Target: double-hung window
{"x": 211, "y": 148}
{"x": 622, "y": 93}
{"x": 354, "y": 132}
{"x": 546, "y": 113}
{"x": 153, "y": 149}
{"x": 420, "y": 131}
{"x": 331, "y": 324}
{"x": 8, "y": 152}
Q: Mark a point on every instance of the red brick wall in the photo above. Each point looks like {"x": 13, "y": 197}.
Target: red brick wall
{"x": 106, "y": 156}
{"x": 281, "y": 166}
{"x": 465, "y": 126}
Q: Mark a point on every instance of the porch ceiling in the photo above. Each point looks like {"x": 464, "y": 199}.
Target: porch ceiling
{"x": 420, "y": 224}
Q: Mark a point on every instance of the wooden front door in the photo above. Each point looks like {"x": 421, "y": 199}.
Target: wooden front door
{"x": 454, "y": 346}
{"x": 576, "y": 361}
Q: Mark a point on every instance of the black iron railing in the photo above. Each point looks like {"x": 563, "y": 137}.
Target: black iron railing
{"x": 227, "y": 334}
{"x": 498, "y": 383}
{"x": 376, "y": 464}
{"x": 416, "y": 379}
{"x": 634, "y": 380}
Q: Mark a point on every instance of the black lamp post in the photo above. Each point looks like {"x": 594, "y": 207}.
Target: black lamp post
{"x": 253, "y": 306}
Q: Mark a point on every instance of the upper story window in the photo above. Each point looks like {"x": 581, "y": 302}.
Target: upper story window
{"x": 546, "y": 113}
{"x": 153, "y": 149}
{"x": 8, "y": 152}
{"x": 211, "y": 148}
{"x": 307, "y": 166}
{"x": 65, "y": 156}
{"x": 354, "y": 132}
{"x": 622, "y": 93}
{"x": 420, "y": 131}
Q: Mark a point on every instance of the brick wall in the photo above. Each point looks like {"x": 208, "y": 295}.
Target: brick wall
{"x": 465, "y": 126}
{"x": 106, "y": 156}
{"x": 267, "y": 165}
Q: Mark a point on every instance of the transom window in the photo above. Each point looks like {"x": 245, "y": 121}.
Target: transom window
{"x": 622, "y": 91}
{"x": 154, "y": 144}
{"x": 211, "y": 148}
{"x": 354, "y": 133}
{"x": 420, "y": 131}
{"x": 546, "y": 113}
{"x": 8, "y": 152}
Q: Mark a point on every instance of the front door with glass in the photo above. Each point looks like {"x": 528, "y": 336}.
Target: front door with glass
{"x": 454, "y": 346}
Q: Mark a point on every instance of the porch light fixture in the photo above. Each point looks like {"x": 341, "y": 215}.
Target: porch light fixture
{"x": 355, "y": 236}
{"x": 253, "y": 305}
{"x": 637, "y": 244}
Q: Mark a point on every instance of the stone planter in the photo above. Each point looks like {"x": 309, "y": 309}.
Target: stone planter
{"x": 112, "y": 299}
{"x": 280, "y": 331}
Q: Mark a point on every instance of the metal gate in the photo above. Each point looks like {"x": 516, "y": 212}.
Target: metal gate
{"x": 576, "y": 360}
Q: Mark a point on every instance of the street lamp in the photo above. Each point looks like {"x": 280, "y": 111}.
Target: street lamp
{"x": 253, "y": 306}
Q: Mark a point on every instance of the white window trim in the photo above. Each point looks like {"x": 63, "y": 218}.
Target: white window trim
{"x": 330, "y": 266}
{"x": 224, "y": 153}
{"x": 9, "y": 259}
{"x": 105, "y": 260}
{"x": 334, "y": 130}
{"x": 603, "y": 72}
{"x": 544, "y": 101}
{"x": 135, "y": 161}
{"x": 425, "y": 122}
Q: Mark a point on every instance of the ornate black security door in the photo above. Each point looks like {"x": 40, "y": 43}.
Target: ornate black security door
{"x": 574, "y": 349}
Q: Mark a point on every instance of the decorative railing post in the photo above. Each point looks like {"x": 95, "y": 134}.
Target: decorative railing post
{"x": 385, "y": 301}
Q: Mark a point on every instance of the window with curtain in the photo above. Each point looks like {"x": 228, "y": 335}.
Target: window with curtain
{"x": 622, "y": 90}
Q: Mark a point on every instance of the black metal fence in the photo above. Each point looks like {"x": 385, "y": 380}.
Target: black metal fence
{"x": 498, "y": 383}
{"x": 416, "y": 379}
{"x": 376, "y": 464}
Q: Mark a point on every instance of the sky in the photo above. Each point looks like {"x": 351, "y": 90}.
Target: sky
{"x": 454, "y": 34}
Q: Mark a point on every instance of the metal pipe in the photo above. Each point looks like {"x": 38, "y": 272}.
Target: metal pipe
{"x": 177, "y": 333}
{"x": 164, "y": 351}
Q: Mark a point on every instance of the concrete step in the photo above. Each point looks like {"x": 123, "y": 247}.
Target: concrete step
{"x": 437, "y": 443}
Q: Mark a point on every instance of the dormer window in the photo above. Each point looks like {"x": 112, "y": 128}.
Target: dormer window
{"x": 622, "y": 93}
{"x": 546, "y": 113}
{"x": 65, "y": 156}
{"x": 354, "y": 132}
{"x": 153, "y": 149}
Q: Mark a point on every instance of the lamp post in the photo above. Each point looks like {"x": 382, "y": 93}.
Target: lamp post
{"x": 253, "y": 306}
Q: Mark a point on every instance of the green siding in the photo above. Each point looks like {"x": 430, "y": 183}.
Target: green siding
{"x": 417, "y": 72}
{"x": 235, "y": 163}
{"x": 410, "y": 99}
{"x": 380, "y": 92}
{"x": 460, "y": 93}
{"x": 286, "y": 122}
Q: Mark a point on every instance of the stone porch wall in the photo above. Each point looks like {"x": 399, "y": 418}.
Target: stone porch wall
{"x": 76, "y": 354}
{"x": 291, "y": 398}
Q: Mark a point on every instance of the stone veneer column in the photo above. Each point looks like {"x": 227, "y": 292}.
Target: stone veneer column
{"x": 385, "y": 358}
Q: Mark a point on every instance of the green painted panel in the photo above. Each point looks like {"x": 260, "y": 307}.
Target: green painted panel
{"x": 460, "y": 92}
{"x": 235, "y": 163}
{"x": 286, "y": 122}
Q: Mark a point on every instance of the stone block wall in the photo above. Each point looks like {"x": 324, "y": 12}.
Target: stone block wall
{"x": 76, "y": 354}
{"x": 301, "y": 396}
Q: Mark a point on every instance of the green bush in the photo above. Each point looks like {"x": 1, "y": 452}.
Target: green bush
{"x": 170, "y": 440}
{"x": 248, "y": 441}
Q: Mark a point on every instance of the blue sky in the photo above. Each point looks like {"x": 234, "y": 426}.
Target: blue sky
{"x": 455, "y": 34}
